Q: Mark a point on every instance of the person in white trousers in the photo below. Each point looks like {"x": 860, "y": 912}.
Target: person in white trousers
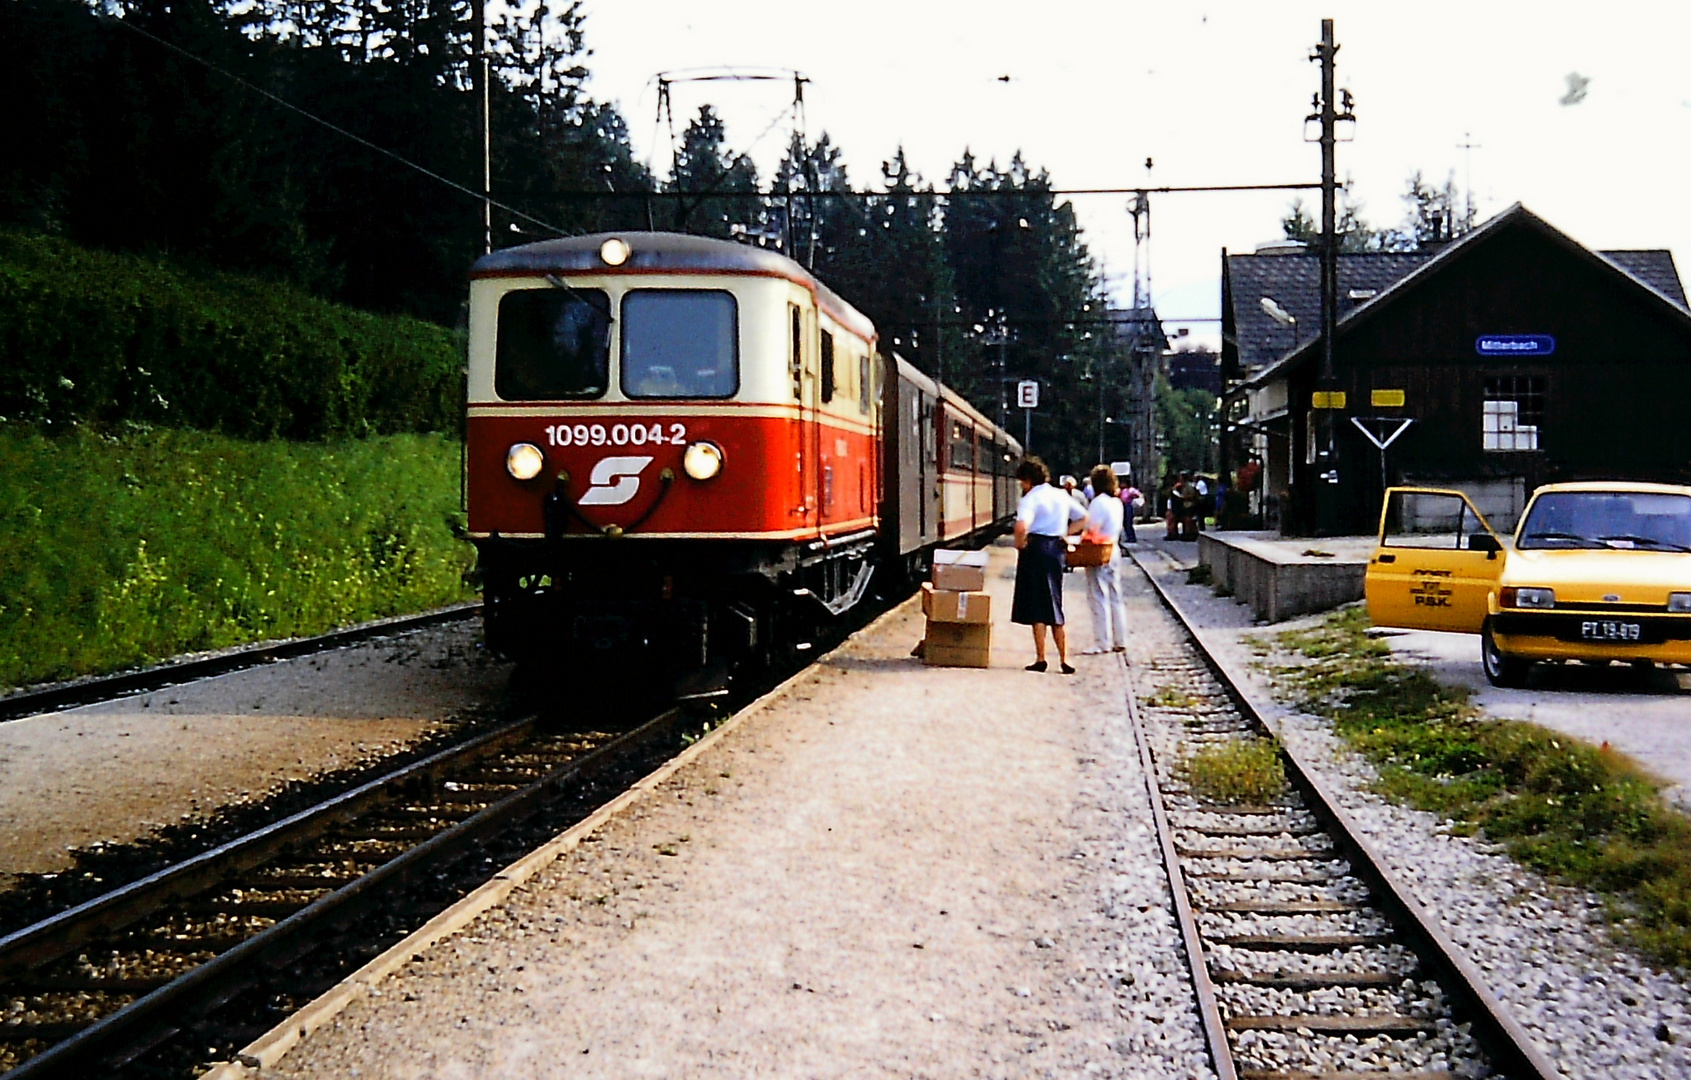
{"x": 1103, "y": 587}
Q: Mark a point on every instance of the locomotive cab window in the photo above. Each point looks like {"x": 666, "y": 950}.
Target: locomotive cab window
{"x": 552, "y": 344}
{"x": 680, "y": 343}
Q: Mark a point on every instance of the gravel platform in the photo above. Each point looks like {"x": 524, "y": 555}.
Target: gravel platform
{"x": 114, "y": 772}
{"x": 892, "y": 870}
{"x": 1595, "y": 1008}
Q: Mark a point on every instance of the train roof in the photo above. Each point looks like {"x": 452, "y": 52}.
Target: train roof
{"x": 665, "y": 253}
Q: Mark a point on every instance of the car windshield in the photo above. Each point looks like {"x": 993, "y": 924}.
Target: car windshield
{"x": 553, "y": 343}
{"x": 1608, "y": 519}
{"x": 680, "y": 343}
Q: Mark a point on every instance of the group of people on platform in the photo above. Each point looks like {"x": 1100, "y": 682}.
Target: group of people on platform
{"x": 1046, "y": 515}
{"x": 1102, "y": 511}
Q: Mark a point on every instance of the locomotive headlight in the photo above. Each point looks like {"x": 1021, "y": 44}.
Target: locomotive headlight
{"x": 524, "y": 461}
{"x": 702, "y": 460}
{"x": 614, "y": 252}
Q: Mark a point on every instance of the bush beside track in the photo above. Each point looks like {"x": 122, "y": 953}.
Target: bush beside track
{"x": 101, "y": 338}
{"x": 127, "y": 548}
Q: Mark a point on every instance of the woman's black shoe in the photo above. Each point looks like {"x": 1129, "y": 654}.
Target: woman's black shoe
{"x": 1037, "y": 665}
{"x": 1066, "y": 669}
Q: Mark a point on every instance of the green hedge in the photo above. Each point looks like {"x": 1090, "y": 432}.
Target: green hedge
{"x": 88, "y": 336}
{"x": 116, "y": 550}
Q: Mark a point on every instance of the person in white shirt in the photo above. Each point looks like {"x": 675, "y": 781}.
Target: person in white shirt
{"x": 1069, "y": 490}
{"x": 1103, "y": 586}
{"x": 1043, "y": 517}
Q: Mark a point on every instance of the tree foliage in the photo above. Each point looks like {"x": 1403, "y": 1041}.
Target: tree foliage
{"x": 1431, "y": 215}
{"x": 117, "y": 141}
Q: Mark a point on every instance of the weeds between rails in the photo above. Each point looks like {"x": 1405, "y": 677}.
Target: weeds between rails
{"x": 1587, "y": 815}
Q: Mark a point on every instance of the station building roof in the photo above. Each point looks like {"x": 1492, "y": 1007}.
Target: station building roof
{"x": 1291, "y": 277}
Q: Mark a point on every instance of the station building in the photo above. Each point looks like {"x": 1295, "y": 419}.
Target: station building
{"x": 1520, "y": 357}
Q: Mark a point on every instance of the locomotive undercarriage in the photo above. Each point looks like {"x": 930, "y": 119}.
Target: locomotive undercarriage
{"x": 662, "y": 618}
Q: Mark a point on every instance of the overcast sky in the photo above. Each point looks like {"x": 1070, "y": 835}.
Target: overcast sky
{"x": 1215, "y": 93}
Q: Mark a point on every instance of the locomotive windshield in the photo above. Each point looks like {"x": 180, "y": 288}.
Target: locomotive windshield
{"x": 553, "y": 343}
{"x": 680, "y": 343}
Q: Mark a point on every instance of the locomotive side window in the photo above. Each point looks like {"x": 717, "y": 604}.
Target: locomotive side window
{"x": 827, "y": 367}
{"x": 795, "y": 358}
{"x": 680, "y": 343}
{"x": 864, "y": 385}
{"x": 552, "y": 344}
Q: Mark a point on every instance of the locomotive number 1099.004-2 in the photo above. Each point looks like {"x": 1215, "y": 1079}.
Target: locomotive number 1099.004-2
{"x": 616, "y": 435}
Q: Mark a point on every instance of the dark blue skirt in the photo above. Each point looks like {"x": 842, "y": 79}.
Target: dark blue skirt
{"x": 1039, "y": 582}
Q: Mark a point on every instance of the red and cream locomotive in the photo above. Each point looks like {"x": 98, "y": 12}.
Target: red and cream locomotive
{"x": 684, "y": 453}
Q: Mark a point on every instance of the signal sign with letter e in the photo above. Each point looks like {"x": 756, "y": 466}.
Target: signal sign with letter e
{"x": 1027, "y": 394}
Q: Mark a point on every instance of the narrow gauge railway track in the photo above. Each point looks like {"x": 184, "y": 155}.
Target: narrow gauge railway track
{"x": 1309, "y": 958}
{"x": 208, "y": 951}
{"x": 69, "y": 695}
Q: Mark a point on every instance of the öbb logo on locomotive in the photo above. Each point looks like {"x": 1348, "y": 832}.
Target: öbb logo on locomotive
{"x": 685, "y": 455}
{"x": 614, "y": 480}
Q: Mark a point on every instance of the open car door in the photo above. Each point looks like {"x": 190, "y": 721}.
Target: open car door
{"x": 1436, "y": 564}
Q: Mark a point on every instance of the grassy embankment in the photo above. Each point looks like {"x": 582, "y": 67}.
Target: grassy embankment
{"x": 1576, "y": 812}
{"x": 191, "y": 459}
{"x": 121, "y": 550}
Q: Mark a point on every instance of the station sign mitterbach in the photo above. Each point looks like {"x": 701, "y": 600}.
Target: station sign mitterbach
{"x": 1515, "y": 345}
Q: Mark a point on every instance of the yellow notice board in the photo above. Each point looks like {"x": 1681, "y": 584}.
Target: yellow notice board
{"x": 1327, "y": 399}
{"x": 1387, "y": 399}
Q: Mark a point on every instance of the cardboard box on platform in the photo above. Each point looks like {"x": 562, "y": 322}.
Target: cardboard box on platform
{"x": 950, "y": 606}
{"x": 959, "y": 571}
{"x": 958, "y": 645}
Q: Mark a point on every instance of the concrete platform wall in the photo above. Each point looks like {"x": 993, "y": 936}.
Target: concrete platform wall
{"x": 1278, "y": 579}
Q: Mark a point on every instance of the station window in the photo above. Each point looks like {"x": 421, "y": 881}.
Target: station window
{"x": 552, "y": 344}
{"x": 680, "y": 343}
{"x": 827, "y": 367}
{"x": 1512, "y": 413}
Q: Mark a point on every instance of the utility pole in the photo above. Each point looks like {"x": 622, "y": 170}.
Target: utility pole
{"x": 1323, "y": 408}
{"x": 478, "y": 76}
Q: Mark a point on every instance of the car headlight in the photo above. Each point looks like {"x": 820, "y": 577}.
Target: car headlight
{"x": 702, "y": 460}
{"x": 524, "y": 461}
{"x": 1541, "y": 599}
{"x": 1679, "y": 603}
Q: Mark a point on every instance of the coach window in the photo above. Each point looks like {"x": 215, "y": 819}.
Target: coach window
{"x": 553, "y": 343}
{"x": 827, "y": 367}
{"x": 983, "y": 454}
{"x": 865, "y": 385}
{"x": 680, "y": 343}
{"x": 962, "y": 447}
{"x": 795, "y": 347}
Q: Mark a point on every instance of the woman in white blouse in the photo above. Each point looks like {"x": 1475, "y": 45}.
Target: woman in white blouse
{"x": 1043, "y": 517}
{"x": 1104, "y": 519}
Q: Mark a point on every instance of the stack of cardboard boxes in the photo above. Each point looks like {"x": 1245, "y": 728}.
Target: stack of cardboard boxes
{"x": 959, "y": 611}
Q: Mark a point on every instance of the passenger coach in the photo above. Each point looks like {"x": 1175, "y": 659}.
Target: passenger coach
{"x": 684, "y": 452}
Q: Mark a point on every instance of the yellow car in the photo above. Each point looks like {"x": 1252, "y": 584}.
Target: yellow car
{"x": 1596, "y": 572}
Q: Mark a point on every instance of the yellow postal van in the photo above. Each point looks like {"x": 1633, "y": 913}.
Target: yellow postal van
{"x": 1595, "y": 572}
